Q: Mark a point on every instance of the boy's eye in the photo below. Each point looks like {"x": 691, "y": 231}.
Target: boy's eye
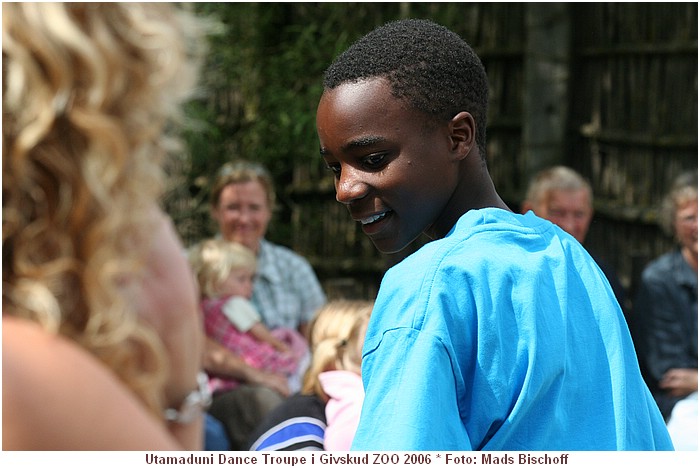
{"x": 374, "y": 160}
{"x": 334, "y": 168}
{"x": 371, "y": 162}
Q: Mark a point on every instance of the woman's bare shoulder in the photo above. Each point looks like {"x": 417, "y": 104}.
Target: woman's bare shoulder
{"x": 56, "y": 396}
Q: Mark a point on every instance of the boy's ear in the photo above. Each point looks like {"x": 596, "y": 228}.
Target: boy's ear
{"x": 462, "y": 130}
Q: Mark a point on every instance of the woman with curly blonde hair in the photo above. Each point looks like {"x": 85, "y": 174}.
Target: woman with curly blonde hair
{"x": 102, "y": 340}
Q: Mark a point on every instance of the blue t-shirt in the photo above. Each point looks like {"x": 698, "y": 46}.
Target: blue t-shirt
{"x": 504, "y": 335}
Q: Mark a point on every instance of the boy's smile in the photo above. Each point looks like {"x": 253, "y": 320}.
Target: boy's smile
{"x": 395, "y": 167}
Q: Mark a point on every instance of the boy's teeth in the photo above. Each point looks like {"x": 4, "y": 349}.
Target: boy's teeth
{"x": 372, "y": 219}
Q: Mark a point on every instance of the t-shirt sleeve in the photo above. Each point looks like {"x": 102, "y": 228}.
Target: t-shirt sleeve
{"x": 410, "y": 387}
{"x": 241, "y": 313}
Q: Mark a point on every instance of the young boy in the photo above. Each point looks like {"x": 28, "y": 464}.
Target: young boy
{"x": 502, "y": 333}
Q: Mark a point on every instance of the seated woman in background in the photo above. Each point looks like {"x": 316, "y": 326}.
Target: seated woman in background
{"x": 324, "y": 415}
{"x": 667, "y": 306}
{"x": 286, "y": 291}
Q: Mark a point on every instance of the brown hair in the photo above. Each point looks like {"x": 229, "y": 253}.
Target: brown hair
{"x": 238, "y": 172}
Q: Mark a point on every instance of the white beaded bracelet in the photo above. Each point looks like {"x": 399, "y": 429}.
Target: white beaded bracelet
{"x": 195, "y": 403}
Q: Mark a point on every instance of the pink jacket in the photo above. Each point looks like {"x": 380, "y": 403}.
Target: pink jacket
{"x": 343, "y": 409}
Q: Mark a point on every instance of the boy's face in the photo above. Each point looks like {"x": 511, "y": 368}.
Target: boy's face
{"x": 394, "y": 168}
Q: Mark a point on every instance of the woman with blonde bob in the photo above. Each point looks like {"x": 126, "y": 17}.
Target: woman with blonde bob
{"x": 324, "y": 415}
{"x": 102, "y": 341}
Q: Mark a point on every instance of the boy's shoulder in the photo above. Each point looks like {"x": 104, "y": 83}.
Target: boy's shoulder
{"x": 479, "y": 233}
{"x": 487, "y": 243}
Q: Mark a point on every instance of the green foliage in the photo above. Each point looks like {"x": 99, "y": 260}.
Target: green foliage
{"x": 262, "y": 81}
{"x": 263, "y": 76}
{"x": 259, "y": 92}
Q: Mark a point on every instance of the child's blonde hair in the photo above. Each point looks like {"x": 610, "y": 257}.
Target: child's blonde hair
{"x": 336, "y": 334}
{"x": 213, "y": 260}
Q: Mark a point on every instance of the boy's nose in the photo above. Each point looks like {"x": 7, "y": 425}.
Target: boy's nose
{"x": 349, "y": 187}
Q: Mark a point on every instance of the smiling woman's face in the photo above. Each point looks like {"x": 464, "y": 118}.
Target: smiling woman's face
{"x": 393, "y": 166}
{"x": 243, "y": 213}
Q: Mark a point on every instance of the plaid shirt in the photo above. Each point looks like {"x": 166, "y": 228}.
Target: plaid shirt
{"x": 286, "y": 291}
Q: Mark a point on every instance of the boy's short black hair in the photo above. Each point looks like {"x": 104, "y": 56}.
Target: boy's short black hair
{"x": 428, "y": 65}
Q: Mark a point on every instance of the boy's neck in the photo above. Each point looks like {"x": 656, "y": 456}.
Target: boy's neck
{"x": 475, "y": 191}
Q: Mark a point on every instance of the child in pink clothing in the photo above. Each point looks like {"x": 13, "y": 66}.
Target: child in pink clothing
{"x": 340, "y": 358}
{"x": 224, "y": 272}
{"x": 345, "y": 392}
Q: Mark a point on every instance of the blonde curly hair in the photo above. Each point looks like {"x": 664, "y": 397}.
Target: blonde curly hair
{"x": 336, "y": 334}
{"x": 88, "y": 89}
